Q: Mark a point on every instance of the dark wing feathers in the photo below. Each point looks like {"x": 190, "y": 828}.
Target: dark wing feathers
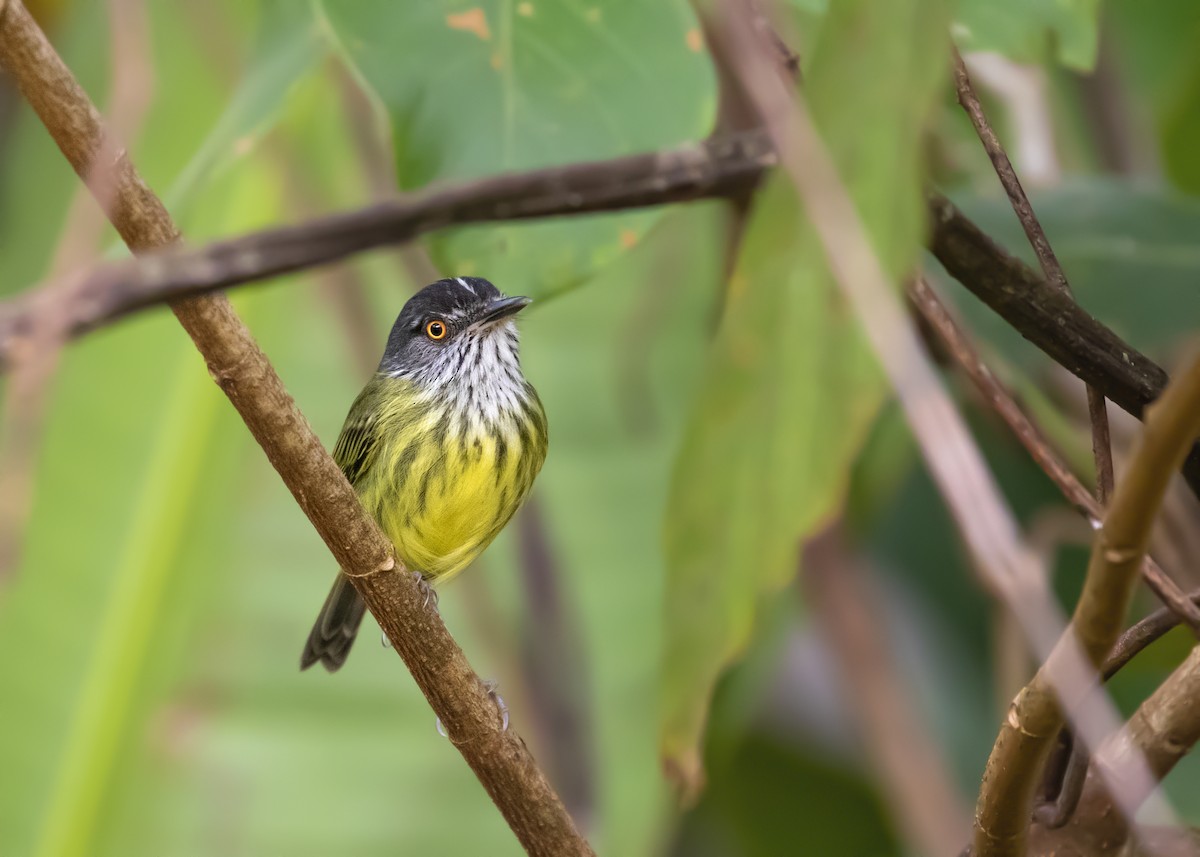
{"x": 355, "y": 447}
{"x": 333, "y": 633}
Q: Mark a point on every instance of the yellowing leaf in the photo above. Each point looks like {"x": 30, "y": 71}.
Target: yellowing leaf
{"x": 791, "y": 385}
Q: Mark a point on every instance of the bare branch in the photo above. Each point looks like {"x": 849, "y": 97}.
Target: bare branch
{"x": 718, "y": 168}
{"x": 498, "y": 757}
{"x": 700, "y": 170}
{"x": 1048, "y": 318}
{"x": 1101, "y": 442}
{"x": 963, "y": 352}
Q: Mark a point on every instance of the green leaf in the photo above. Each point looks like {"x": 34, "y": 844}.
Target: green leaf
{"x": 1031, "y": 31}
{"x": 478, "y": 88}
{"x": 1180, "y": 131}
{"x": 791, "y": 386}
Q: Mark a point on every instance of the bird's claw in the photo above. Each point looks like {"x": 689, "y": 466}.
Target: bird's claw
{"x": 426, "y": 590}
{"x": 490, "y": 686}
{"x": 430, "y": 596}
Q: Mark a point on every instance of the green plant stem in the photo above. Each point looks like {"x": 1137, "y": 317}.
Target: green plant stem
{"x": 1035, "y": 716}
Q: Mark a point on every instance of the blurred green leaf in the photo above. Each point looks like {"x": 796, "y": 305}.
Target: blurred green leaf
{"x": 774, "y": 798}
{"x": 1180, "y": 125}
{"x": 812, "y": 7}
{"x": 791, "y": 385}
{"x": 288, "y": 45}
{"x": 478, "y": 88}
{"x": 1031, "y": 31}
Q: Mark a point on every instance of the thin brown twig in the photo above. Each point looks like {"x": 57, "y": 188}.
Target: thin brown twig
{"x": 1051, "y": 267}
{"x": 960, "y": 348}
{"x": 467, "y": 711}
{"x": 1139, "y": 636}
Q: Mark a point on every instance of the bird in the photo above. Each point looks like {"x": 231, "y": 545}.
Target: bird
{"x": 442, "y": 445}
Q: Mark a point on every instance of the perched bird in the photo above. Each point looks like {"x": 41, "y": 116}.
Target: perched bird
{"x": 442, "y": 445}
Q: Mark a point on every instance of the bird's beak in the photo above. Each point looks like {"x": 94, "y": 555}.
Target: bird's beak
{"x": 503, "y": 308}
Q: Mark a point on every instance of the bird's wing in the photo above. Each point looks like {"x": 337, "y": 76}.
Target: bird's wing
{"x": 355, "y": 448}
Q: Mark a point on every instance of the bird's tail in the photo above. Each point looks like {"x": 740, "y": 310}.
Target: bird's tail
{"x": 333, "y": 634}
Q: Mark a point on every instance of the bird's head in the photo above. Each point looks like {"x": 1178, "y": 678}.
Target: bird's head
{"x": 456, "y": 329}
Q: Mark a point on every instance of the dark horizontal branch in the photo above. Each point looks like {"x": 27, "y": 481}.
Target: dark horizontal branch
{"x": 715, "y": 168}
{"x": 720, "y": 167}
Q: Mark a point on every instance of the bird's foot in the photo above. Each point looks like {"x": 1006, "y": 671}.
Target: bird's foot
{"x": 490, "y": 686}
{"x": 427, "y": 590}
{"x": 429, "y": 595}
{"x": 501, "y": 708}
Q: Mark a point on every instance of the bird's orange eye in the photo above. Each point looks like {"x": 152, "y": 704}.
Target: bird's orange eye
{"x": 436, "y": 330}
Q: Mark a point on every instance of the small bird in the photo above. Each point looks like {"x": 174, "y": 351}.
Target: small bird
{"x": 442, "y": 444}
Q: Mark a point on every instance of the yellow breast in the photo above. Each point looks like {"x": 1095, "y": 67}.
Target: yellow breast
{"x": 455, "y": 484}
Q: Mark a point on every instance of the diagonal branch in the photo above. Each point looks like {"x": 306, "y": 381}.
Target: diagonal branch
{"x": 1097, "y": 411}
{"x": 964, "y": 353}
{"x": 498, "y": 757}
{"x": 1049, "y": 319}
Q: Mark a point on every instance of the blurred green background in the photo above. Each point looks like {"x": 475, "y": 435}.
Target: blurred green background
{"x": 702, "y": 425}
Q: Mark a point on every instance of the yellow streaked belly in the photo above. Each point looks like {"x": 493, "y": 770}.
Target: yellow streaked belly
{"x": 452, "y": 497}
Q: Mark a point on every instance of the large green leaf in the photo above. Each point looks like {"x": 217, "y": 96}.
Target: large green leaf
{"x": 791, "y": 386}
{"x": 474, "y": 88}
{"x": 1031, "y": 30}
{"x": 1180, "y": 123}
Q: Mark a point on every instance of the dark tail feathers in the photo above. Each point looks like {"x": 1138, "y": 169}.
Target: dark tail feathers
{"x": 333, "y": 634}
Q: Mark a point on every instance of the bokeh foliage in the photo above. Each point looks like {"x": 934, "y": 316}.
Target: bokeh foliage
{"x": 150, "y": 637}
